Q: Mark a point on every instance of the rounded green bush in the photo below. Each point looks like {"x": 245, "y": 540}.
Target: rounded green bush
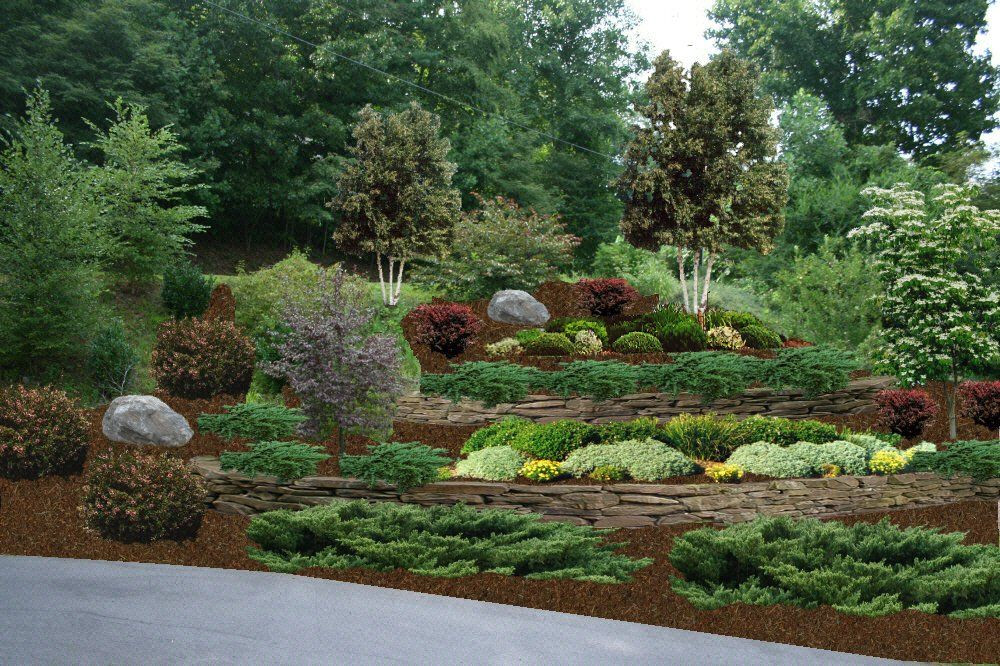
{"x": 758, "y": 336}
{"x": 598, "y": 328}
{"x": 526, "y": 335}
{"x": 555, "y": 440}
{"x": 769, "y": 459}
{"x": 637, "y": 342}
{"x": 550, "y": 344}
{"x": 685, "y": 335}
{"x": 850, "y": 458}
{"x": 497, "y": 463}
{"x": 501, "y": 433}
{"x": 644, "y": 427}
{"x": 647, "y": 460}
{"x": 587, "y": 343}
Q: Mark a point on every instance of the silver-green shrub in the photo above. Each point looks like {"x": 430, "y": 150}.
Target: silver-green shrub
{"x": 769, "y": 459}
{"x": 496, "y": 463}
{"x": 647, "y": 460}
{"x": 850, "y": 458}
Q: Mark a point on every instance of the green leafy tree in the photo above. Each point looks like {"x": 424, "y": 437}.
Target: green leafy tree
{"x": 396, "y": 199}
{"x": 939, "y": 323}
{"x": 899, "y": 73}
{"x": 50, "y": 246}
{"x": 141, "y": 182}
{"x": 700, "y": 173}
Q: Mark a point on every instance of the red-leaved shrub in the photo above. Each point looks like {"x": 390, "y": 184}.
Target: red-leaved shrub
{"x": 42, "y": 431}
{"x": 130, "y": 496}
{"x": 447, "y": 328}
{"x": 221, "y": 304}
{"x": 981, "y": 403}
{"x": 606, "y": 297}
{"x": 201, "y": 358}
{"x": 905, "y": 411}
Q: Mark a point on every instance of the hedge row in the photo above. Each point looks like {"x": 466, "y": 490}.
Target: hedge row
{"x": 712, "y": 375}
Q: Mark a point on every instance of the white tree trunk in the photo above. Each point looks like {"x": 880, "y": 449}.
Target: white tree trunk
{"x": 682, "y": 271}
{"x": 695, "y": 300}
{"x": 381, "y": 278}
{"x": 399, "y": 283}
{"x": 708, "y": 280}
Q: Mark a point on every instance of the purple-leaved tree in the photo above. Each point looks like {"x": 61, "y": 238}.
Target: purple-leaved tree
{"x": 347, "y": 378}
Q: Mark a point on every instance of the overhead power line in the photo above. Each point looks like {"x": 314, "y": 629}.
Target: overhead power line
{"x": 465, "y": 105}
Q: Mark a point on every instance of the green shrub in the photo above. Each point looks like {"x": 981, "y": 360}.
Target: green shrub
{"x": 112, "y": 361}
{"x": 497, "y": 463}
{"x": 758, "y": 336}
{"x": 817, "y": 370}
{"x": 644, "y": 427}
{"x": 862, "y": 569}
{"x": 501, "y": 433}
{"x": 716, "y": 317}
{"x": 129, "y": 496}
{"x": 666, "y": 316}
{"x": 404, "y": 464}
{"x": 550, "y": 344}
{"x": 980, "y": 460}
{"x": 526, "y": 335}
{"x": 586, "y": 343}
{"x": 637, "y": 343}
{"x": 621, "y": 328}
{"x": 570, "y": 326}
{"x": 647, "y": 460}
{"x": 783, "y": 432}
{"x": 705, "y": 436}
{"x": 850, "y": 458}
{"x": 186, "y": 291}
{"x": 42, "y": 431}
{"x": 712, "y": 375}
{"x": 254, "y": 421}
{"x": 597, "y": 379}
{"x": 607, "y": 474}
{"x": 686, "y": 335}
{"x": 769, "y": 459}
{"x": 196, "y": 358}
{"x": 870, "y": 443}
{"x": 493, "y": 383}
{"x": 555, "y": 440}
{"x": 445, "y": 541}
{"x": 285, "y": 460}
{"x": 262, "y": 296}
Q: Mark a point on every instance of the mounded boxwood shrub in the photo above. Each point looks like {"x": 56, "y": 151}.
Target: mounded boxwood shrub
{"x": 445, "y": 541}
{"x": 255, "y": 421}
{"x": 637, "y": 343}
{"x": 197, "y": 358}
{"x": 496, "y": 463}
{"x": 647, "y": 460}
{"x": 606, "y": 297}
{"x": 782, "y": 431}
{"x": 769, "y": 459}
{"x": 686, "y": 335}
{"x": 550, "y": 344}
{"x": 905, "y": 411}
{"x": 850, "y": 458}
{"x": 862, "y": 569}
{"x": 286, "y": 460}
{"x": 758, "y": 336}
{"x": 404, "y": 464}
{"x": 135, "y": 497}
{"x": 642, "y": 428}
{"x": 702, "y": 436}
{"x": 42, "y": 431}
{"x": 501, "y": 433}
{"x": 447, "y": 328}
{"x": 555, "y": 440}
{"x": 186, "y": 291}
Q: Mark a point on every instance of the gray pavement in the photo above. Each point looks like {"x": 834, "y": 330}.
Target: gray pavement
{"x": 66, "y": 611}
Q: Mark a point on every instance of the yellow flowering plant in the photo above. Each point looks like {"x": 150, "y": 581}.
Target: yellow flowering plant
{"x": 888, "y": 462}
{"x": 724, "y": 473}
{"x": 541, "y": 470}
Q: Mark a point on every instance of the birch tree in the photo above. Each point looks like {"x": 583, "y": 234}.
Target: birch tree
{"x": 395, "y": 198}
{"x": 700, "y": 171}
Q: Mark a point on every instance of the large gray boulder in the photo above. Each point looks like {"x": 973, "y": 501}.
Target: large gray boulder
{"x": 145, "y": 419}
{"x": 513, "y": 306}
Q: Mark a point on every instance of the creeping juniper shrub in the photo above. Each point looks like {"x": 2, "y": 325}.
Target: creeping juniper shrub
{"x": 491, "y": 382}
{"x": 980, "y": 460}
{"x": 253, "y": 421}
{"x": 286, "y": 460}
{"x": 186, "y": 292}
{"x": 597, "y": 379}
{"x": 404, "y": 464}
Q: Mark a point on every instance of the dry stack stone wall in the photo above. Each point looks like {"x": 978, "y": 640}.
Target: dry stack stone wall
{"x": 616, "y": 505}
{"x": 858, "y": 397}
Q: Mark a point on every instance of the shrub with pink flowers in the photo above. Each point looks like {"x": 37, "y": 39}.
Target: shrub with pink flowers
{"x": 201, "y": 358}
{"x": 447, "y": 328}
{"x": 606, "y": 297}
{"x": 132, "y": 497}
{"x": 42, "y": 431}
{"x": 905, "y": 411}
{"x": 981, "y": 403}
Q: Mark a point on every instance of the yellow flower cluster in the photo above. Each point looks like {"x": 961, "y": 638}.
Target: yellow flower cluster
{"x": 888, "y": 462}
{"x": 541, "y": 470}
{"x": 830, "y": 470}
{"x": 724, "y": 473}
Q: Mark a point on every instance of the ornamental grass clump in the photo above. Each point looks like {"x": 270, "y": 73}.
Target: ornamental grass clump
{"x": 702, "y": 436}
{"x": 42, "y": 431}
{"x": 862, "y": 569}
{"x": 442, "y": 541}
{"x": 647, "y": 460}
{"x": 497, "y": 463}
{"x": 769, "y": 459}
{"x": 134, "y": 497}
{"x": 286, "y": 460}
{"x": 403, "y": 464}
{"x": 254, "y": 421}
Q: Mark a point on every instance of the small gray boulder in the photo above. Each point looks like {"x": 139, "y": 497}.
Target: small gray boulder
{"x": 513, "y": 306}
{"x": 145, "y": 419}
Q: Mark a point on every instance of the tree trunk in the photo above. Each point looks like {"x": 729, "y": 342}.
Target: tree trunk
{"x": 951, "y": 398}
{"x": 381, "y": 277}
{"x": 683, "y": 278}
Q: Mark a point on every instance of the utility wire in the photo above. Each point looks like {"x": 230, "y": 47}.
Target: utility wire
{"x": 407, "y": 82}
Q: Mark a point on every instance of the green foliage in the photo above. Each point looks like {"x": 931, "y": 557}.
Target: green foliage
{"x": 42, "y": 432}
{"x": 647, "y": 460}
{"x": 550, "y": 344}
{"x": 725, "y": 337}
{"x": 862, "y": 569}
{"x": 555, "y": 440}
{"x": 541, "y": 470}
{"x": 637, "y": 342}
{"x": 186, "y": 291}
{"x": 493, "y": 383}
{"x": 263, "y": 295}
{"x": 607, "y": 474}
{"x": 642, "y": 428}
{"x": 769, "y": 459}
{"x": 570, "y": 326}
{"x": 760, "y": 337}
{"x": 686, "y": 335}
{"x": 784, "y": 432}
{"x": 256, "y": 421}
{"x": 586, "y": 343}
{"x": 869, "y": 442}
{"x": 649, "y": 272}
{"x": 444, "y": 541}
{"x": 816, "y": 370}
{"x": 704, "y": 436}
{"x": 112, "y": 361}
{"x": 850, "y": 458}
{"x": 404, "y": 464}
{"x": 501, "y": 433}
{"x": 503, "y": 347}
{"x": 526, "y": 335}
{"x": 980, "y": 460}
{"x": 711, "y": 375}
{"x": 598, "y": 379}
{"x": 496, "y": 463}
{"x": 285, "y": 460}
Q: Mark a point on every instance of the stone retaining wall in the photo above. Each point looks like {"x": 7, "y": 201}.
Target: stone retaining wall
{"x": 858, "y": 397}
{"x": 616, "y": 505}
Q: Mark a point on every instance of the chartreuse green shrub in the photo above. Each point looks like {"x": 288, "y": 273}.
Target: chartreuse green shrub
{"x": 703, "y": 436}
{"x": 404, "y": 464}
{"x": 783, "y": 432}
{"x": 255, "y": 421}
{"x": 644, "y": 427}
{"x": 769, "y": 459}
{"x": 850, "y": 458}
{"x": 550, "y": 344}
{"x": 444, "y": 541}
{"x": 526, "y": 335}
{"x": 555, "y": 440}
{"x": 869, "y": 442}
{"x": 501, "y": 433}
{"x": 285, "y": 460}
{"x": 637, "y": 342}
{"x": 862, "y": 569}
{"x": 978, "y": 459}
{"x": 647, "y": 460}
{"x": 497, "y": 463}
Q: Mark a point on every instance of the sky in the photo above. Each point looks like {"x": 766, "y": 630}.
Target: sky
{"x": 680, "y": 25}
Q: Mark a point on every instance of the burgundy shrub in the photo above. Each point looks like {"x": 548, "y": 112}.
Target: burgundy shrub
{"x": 447, "y": 328}
{"x": 42, "y": 431}
{"x": 981, "y": 403}
{"x": 606, "y": 297}
{"x": 221, "y": 304}
{"x": 905, "y": 411}
{"x": 202, "y": 358}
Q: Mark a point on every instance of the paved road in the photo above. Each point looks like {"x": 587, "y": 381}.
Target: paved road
{"x": 65, "y": 611}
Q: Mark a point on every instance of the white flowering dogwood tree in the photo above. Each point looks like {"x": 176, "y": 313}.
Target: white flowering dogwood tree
{"x": 939, "y": 320}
